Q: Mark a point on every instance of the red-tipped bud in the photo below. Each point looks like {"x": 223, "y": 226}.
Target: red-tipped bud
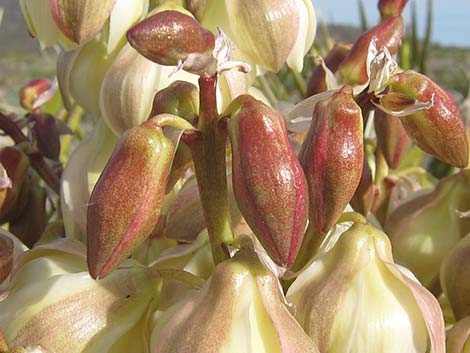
{"x": 332, "y": 156}
{"x": 170, "y": 36}
{"x": 268, "y": 181}
{"x": 392, "y": 138}
{"x": 390, "y": 8}
{"x": 126, "y": 202}
{"x": 388, "y": 34}
{"x": 436, "y": 124}
{"x": 35, "y": 93}
{"x": 16, "y": 164}
{"x": 318, "y": 79}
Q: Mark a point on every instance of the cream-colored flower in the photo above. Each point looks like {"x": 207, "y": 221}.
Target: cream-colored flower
{"x": 267, "y": 33}
{"x": 55, "y": 304}
{"x": 240, "y": 309}
{"x": 354, "y": 299}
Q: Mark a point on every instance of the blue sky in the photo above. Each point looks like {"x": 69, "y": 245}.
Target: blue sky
{"x": 451, "y": 17}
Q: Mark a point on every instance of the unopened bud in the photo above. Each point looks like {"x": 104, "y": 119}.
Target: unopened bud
{"x": 332, "y": 156}
{"x": 36, "y": 92}
{"x": 170, "y": 36}
{"x": 429, "y": 115}
{"x": 392, "y": 138}
{"x": 268, "y": 181}
{"x": 182, "y": 99}
{"x": 126, "y": 202}
{"x": 454, "y": 274}
{"x": 318, "y": 81}
{"x": 388, "y": 34}
{"x": 417, "y": 227}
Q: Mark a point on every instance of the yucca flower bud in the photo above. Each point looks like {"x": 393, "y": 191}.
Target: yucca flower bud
{"x": 320, "y": 78}
{"x": 36, "y": 92}
{"x": 181, "y": 98}
{"x": 436, "y": 124}
{"x": 55, "y": 304}
{"x": 268, "y": 181}
{"x": 267, "y": 33}
{"x": 170, "y": 36}
{"x": 392, "y": 139}
{"x": 425, "y": 228}
{"x": 29, "y": 226}
{"x": 454, "y": 274}
{"x": 332, "y": 156}
{"x": 239, "y": 309}
{"x": 80, "y": 176}
{"x": 134, "y": 178}
{"x": 353, "y": 298}
{"x": 16, "y": 164}
{"x": 387, "y": 34}
{"x": 390, "y": 8}
{"x": 458, "y": 337}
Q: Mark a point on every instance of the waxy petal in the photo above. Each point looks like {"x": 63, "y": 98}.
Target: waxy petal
{"x": 80, "y": 21}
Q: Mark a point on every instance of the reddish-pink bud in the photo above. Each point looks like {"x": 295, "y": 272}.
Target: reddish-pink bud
{"x": 392, "y": 138}
{"x": 390, "y": 8}
{"x": 317, "y": 82}
{"x": 332, "y": 156}
{"x": 388, "y": 34}
{"x": 35, "y": 93}
{"x": 126, "y": 202}
{"x": 437, "y": 130}
{"x": 170, "y": 36}
{"x": 268, "y": 181}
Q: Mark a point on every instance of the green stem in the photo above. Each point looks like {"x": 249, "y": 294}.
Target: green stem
{"x": 209, "y": 161}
